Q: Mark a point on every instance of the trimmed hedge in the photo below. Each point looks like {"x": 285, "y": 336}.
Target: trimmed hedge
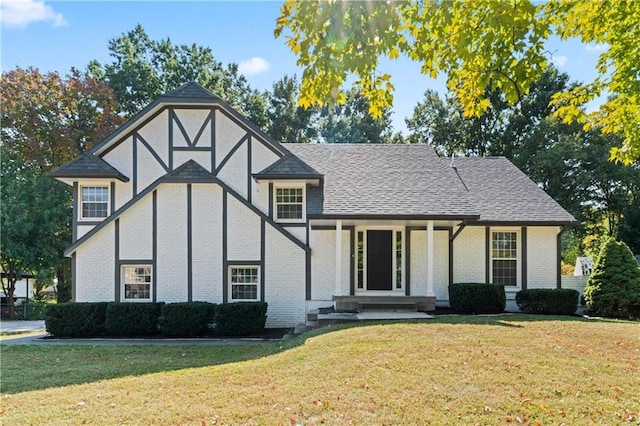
{"x": 186, "y": 319}
{"x": 76, "y": 319}
{"x": 132, "y": 319}
{"x": 240, "y": 319}
{"x": 559, "y": 301}
{"x": 477, "y": 298}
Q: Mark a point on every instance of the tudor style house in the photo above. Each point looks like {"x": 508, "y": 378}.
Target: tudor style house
{"x": 189, "y": 201}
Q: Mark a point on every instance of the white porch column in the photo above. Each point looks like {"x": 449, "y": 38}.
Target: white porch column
{"x": 430, "y": 258}
{"x": 338, "y": 291}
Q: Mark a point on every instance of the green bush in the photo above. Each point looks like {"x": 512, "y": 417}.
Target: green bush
{"x": 186, "y": 319}
{"x": 76, "y": 319}
{"x": 477, "y": 298}
{"x": 613, "y": 288}
{"x": 559, "y": 301}
{"x": 132, "y": 319}
{"x": 240, "y": 319}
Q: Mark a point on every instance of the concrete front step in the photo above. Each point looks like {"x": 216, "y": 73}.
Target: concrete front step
{"x": 387, "y": 306}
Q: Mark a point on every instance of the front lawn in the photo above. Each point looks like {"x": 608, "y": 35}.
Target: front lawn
{"x": 451, "y": 370}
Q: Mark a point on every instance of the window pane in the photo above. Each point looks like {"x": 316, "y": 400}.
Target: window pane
{"x": 137, "y": 282}
{"x": 360, "y": 265}
{"x": 244, "y": 283}
{"x": 94, "y": 201}
{"x": 505, "y": 272}
{"x": 289, "y": 203}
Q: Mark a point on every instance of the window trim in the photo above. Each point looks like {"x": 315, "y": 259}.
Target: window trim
{"x": 517, "y": 231}
{"x": 290, "y": 185}
{"x": 123, "y": 283}
{"x": 80, "y": 202}
{"x": 258, "y": 284}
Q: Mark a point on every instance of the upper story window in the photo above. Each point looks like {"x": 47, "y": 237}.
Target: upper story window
{"x": 290, "y": 203}
{"x": 504, "y": 258}
{"x": 94, "y": 202}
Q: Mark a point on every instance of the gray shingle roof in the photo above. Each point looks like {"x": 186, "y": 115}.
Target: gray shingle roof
{"x": 384, "y": 180}
{"x": 411, "y": 180}
{"x": 191, "y": 170}
{"x": 503, "y": 193}
{"x": 190, "y": 90}
{"x": 289, "y": 167}
{"x": 87, "y": 165}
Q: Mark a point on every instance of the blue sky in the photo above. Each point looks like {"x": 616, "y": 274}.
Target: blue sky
{"x": 58, "y": 35}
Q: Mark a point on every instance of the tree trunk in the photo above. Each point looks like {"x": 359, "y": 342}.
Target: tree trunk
{"x": 9, "y": 290}
{"x": 63, "y": 273}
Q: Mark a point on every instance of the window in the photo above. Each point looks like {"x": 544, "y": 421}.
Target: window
{"x": 504, "y": 256}
{"x": 290, "y": 204}
{"x": 398, "y": 259}
{"x": 137, "y": 282}
{"x": 244, "y": 282}
{"x": 360, "y": 260}
{"x": 94, "y": 202}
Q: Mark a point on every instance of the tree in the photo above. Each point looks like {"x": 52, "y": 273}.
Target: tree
{"x": 46, "y": 120}
{"x": 570, "y": 164}
{"x": 35, "y": 216}
{"x": 480, "y": 46}
{"x": 351, "y": 122}
{"x": 143, "y": 69}
{"x": 613, "y": 288}
{"x": 289, "y": 122}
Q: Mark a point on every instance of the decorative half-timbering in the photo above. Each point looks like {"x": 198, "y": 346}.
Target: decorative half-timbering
{"x": 189, "y": 201}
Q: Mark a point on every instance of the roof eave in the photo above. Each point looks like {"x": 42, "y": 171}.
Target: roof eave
{"x": 89, "y": 175}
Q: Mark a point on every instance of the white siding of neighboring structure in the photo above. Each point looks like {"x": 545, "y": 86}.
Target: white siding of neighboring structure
{"x": 155, "y": 133}
{"x": 207, "y": 242}
{"x": 171, "y": 279}
{"x": 542, "y": 257}
{"x": 95, "y": 270}
{"x": 136, "y": 228}
{"x": 228, "y": 133}
{"x": 418, "y": 264}
{"x": 234, "y": 173}
{"x": 469, "y": 255}
{"x": 243, "y": 234}
{"x": 284, "y": 280}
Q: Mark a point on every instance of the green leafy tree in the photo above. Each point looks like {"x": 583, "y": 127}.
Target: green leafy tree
{"x": 352, "y": 123}
{"x": 289, "y": 122}
{"x": 481, "y": 46}
{"x": 46, "y": 120}
{"x": 143, "y": 69}
{"x": 613, "y": 288}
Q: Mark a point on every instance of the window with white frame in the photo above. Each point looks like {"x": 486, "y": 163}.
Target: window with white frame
{"x": 94, "y": 202}
{"x": 137, "y": 282}
{"x": 289, "y": 203}
{"x": 244, "y": 282}
{"x": 504, "y": 257}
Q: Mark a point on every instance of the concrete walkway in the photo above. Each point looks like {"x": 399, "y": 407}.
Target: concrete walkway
{"x": 43, "y": 339}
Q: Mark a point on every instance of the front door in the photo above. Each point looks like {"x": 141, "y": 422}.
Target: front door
{"x": 379, "y": 260}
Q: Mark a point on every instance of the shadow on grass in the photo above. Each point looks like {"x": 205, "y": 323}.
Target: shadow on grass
{"x": 34, "y": 367}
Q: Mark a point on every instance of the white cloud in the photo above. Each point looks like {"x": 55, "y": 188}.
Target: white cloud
{"x": 20, "y": 13}
{"x": 559, "y": 61}
{"x": 255, "y": 65}
{"x": 596, "y": 47}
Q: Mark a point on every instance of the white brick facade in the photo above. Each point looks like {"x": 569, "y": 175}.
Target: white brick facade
{"x": 469, "y": 255}
{"x": 95, "y": 268}
{"x": 542, "y": 268}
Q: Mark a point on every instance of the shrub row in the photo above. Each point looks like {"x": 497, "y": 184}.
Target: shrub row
{"x": 560, "y": 301}
{"x": 477, "y": 298}
{"x": 480, "y": 298}
{"x": 144, "y": 319}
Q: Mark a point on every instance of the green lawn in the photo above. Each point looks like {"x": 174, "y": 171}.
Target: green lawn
{"x": 452, "y": 370}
